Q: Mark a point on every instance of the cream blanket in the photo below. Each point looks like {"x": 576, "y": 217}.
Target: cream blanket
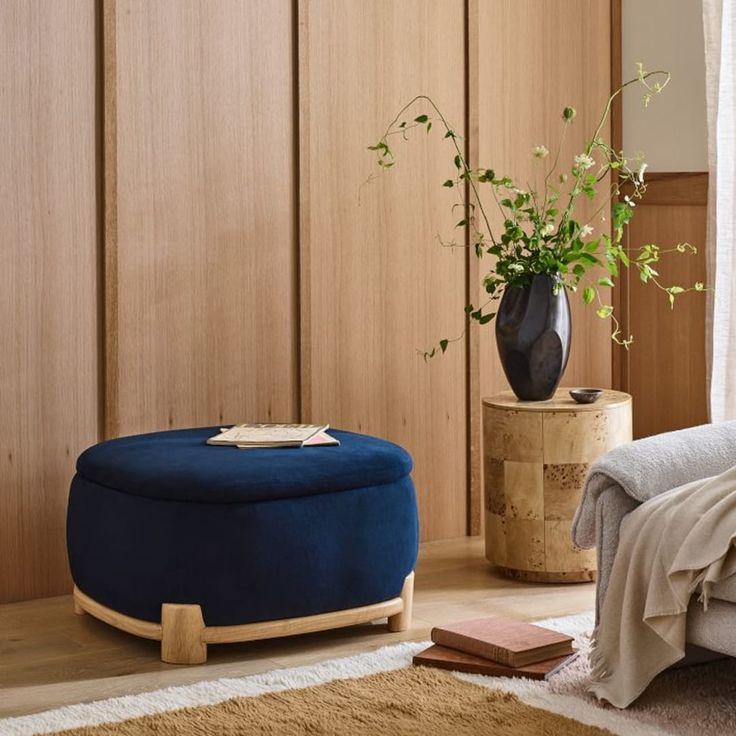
{"x": 670, "y": 547}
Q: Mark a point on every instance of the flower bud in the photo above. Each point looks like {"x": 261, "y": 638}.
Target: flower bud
{"x": 568, "y": 114}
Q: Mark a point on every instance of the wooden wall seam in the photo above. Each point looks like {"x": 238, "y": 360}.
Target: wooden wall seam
{"x": 619, "y": 355}
{"x": 300, "y": 268}
{"x": 475, "y": 491}
{"x": 100, "y": 209}
{"x": 303, "y": 221}
{"x": 111, "y": 414}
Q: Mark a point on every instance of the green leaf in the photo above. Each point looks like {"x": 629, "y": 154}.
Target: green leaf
{"x": 429, "y": 126}
{"x": 450, "y": 134}
{"x": 486, "y": 318}
{"x": 676, "y": 290}
{"x": 605, "y": 281}
{"x": 461, "y": 223}
{"x": 605, "y": 311}
{"x": 588, "y": 294}
{"x": 421, "y": 119}
{"x": 449, "y": 183}
{"x": 458, "y": 162}
{"x": 443, "y": 345}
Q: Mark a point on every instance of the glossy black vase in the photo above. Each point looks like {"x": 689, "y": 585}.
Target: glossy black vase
{"x": 533, "y": 337}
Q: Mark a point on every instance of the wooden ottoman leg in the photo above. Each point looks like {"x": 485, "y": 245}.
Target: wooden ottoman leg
{"x": 77, "y": 606}
{"x": 182, "y": 627}
{"x": 402, "y": 620}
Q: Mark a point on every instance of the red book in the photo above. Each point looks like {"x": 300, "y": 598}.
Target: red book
{"x": 450, "y": 659}
{"x": 504, "y": 640}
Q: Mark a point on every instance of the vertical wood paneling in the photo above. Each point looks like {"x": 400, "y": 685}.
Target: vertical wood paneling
{"x": 224, "y": 298}
{"x": 666, "y": 364}
{"x": 537, "y": 57}
{"x": 475, "y": 456}
{"x": 376, "y": 283}
{"x": 205, "y": 319}
{"x": 48, "y": 282}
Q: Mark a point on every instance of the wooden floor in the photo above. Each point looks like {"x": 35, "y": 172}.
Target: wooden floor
{"x": 51, "y": 657}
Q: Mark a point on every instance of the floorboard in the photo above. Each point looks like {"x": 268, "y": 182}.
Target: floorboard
{"x": 50, "y": 657}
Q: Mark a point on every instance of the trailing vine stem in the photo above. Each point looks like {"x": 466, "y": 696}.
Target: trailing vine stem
{"x": 449, "y": 133}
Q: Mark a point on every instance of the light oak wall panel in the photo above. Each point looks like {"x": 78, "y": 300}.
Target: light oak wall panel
{"x": 534, "y": 58}
{"x": 664, "y": 369}
{"x": 49, "y": 408}
{"x": 201, "y": 233}
{"x": 376, "y": 284}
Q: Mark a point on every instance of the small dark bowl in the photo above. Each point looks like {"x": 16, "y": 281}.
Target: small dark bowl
{"x": 586, "y": 395}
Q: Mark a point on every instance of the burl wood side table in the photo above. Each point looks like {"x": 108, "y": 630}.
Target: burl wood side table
{"x": 536, "y": 457}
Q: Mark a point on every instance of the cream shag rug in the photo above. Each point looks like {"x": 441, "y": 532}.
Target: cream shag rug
{"x": 389, "y": 696}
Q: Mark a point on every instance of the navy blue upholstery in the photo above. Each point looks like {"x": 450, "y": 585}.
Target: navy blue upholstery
{"x": 180, "y": 466}
{"x": 250, "y": 535}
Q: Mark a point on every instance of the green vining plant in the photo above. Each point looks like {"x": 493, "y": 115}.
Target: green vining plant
{"x": 540, "y": 234}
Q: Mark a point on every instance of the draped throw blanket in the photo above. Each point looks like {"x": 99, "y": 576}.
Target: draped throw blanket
{"x": 670, "y": 547}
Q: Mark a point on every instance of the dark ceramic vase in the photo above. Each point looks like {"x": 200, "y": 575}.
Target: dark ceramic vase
{"x": 533, "y": 337}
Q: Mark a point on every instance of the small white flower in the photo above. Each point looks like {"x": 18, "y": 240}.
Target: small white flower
{"x": 640, "y": 173}
{"x": 585, "y": 230}
{"x": 629, "y": 201}
{"x": 583, "y": 161}
{"x": 548, "y": 229}
{"x": 540, "y": 152}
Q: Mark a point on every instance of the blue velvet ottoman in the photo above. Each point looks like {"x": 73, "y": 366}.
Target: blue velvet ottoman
{"x": 175, "y": 540}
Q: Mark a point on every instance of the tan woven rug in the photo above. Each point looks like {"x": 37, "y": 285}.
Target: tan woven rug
{"x": 412, "y": 701}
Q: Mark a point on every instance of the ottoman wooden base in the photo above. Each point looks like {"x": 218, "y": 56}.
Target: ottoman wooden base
{"x": 184, "y": 636}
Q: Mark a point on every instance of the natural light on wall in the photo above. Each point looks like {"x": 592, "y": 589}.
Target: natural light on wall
{"x": 666, "y": 34}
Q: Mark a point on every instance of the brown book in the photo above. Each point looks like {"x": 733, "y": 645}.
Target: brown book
{"x": 450, "y": 659}
{"x": 504, "y": 640}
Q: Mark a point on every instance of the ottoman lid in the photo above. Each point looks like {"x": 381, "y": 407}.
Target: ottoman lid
{"x": 178, "y": 465}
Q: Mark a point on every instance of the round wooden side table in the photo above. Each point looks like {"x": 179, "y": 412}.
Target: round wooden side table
{"x": 536, "y": 456}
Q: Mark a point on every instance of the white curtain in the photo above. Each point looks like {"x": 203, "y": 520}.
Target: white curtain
{"x": 719, "y": 23}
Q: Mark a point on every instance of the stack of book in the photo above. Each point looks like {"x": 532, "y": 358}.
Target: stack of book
{"x": 258, "y": 436}
{"x": 500, "y": 647}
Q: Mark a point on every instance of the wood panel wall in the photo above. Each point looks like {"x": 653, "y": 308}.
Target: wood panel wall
{"x": 522, "y": 88}
{"x": 522, "y": 77}
{"x": 49, "y": 362}
{"x": 204, "y": 326}
{"x": 207, "y": 159}
{"x": 376, "y": 285}
{"x": 664, "y": 369}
